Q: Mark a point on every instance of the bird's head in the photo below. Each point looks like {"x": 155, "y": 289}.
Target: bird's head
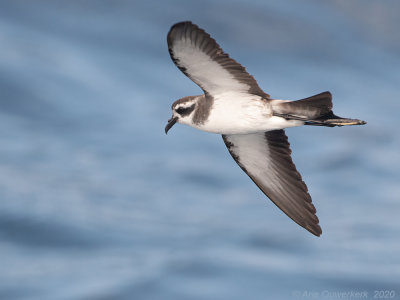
{"x": 182, "y": 111}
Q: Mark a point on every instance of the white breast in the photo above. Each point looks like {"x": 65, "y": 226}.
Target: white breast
{"x": 238, "y": 114}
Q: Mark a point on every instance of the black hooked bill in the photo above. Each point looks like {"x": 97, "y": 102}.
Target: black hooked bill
{"x": 171, "y": 122}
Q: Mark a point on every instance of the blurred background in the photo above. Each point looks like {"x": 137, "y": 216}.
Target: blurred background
{"x": 96, "y": 202}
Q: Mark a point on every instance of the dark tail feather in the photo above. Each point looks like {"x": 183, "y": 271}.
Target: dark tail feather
{"x": 331, "y": 120}
{"x": 315, "y": 110}
{"x": 308, "y": 108}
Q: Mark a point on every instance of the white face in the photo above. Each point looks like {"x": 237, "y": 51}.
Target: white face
{"x": 184, "y": 112}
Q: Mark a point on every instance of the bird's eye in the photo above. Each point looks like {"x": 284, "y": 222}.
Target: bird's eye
{"x": 183, "y": 111}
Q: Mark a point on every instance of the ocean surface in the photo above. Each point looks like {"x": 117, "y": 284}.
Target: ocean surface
{"x": 96, "y": 202}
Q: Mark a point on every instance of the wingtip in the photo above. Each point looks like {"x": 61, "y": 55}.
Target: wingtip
{"x": 315, "y": 229}
{"x": 175, "y": 28}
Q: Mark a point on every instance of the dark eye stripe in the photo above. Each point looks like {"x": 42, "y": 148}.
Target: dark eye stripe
{"x": 184, "y": 111}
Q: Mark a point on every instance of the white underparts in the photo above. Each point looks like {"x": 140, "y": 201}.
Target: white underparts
{"x": 234, "y": 113}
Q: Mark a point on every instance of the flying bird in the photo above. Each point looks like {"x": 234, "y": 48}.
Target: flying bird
{"x": 250, "y": 121}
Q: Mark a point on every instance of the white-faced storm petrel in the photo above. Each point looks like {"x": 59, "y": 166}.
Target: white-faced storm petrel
{"x": 250, "y": 121}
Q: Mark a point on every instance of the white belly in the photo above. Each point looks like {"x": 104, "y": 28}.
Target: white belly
{"x": 244, "y": 115}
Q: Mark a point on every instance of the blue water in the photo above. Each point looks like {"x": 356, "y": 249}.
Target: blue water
{"x": 96, "y": 202}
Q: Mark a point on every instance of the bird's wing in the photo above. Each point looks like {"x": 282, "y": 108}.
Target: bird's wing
{"x": 265, "y": 157}
{"x": 200, "y": 58}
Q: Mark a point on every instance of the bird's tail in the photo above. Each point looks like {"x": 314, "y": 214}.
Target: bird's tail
{"x": 315, "y": 110}
{"x": 331, "y": 120}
